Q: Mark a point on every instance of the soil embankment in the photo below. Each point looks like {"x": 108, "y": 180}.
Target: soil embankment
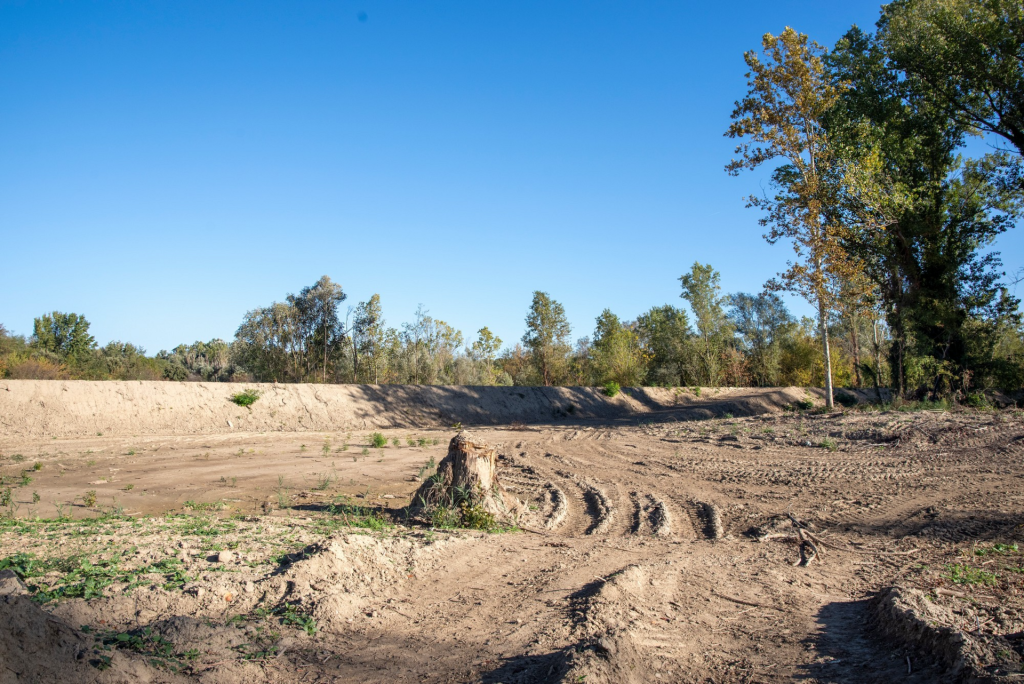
{"x": 78, "y": 408}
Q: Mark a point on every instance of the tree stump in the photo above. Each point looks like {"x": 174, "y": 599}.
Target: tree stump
{"x": 468, "y": 475}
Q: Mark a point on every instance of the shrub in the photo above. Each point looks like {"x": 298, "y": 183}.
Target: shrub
{"x": 246, "y": 398}
{"x": 175, "y": 372}
{"x": 977, "y": 400}
{"x": 90, "y": 498}
{"x": 378, "y": 440}
{"x": 611, "y": 389}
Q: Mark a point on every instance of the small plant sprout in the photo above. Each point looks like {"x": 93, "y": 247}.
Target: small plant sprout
{"x": 326, "y": 447}
{"x": 37, "y": 466}
{"x": 378, "y": 440}
{"x": 396, "y": 442}
{"x": 89, "y": 498}
{"x": 35, "y": 497}
{"x": 128, "y": 487}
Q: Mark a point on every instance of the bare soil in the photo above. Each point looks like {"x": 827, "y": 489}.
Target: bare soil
{"x": 662, "y": 544}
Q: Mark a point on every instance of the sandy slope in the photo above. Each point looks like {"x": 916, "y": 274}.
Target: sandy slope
{"x": 78, "y": 408}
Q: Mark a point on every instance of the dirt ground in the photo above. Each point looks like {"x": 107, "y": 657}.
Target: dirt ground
{"x": 659, "y": 547}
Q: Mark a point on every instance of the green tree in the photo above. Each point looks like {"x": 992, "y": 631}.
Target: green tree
{"x": 929, "y": 259}
{"x": 369, "y": 338}
{"x": 762, "y": 323}
{"x": 702, "y": 290}
{"x": 66, "y": 335}
{"x": 664, "y": 333}
{"x": 968, "y": 53}
{"x": 320, "y": 328}
{"x": 617, "y": 353}
{"x": 547, "y": 338}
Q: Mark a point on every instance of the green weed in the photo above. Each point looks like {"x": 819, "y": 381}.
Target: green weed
{"x": 378, "y": 441}
{"x": 965, "y": 574}
{"x": 246, "y": 398}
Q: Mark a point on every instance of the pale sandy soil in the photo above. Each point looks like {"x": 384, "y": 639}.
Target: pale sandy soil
{"x": 640, "y": 561}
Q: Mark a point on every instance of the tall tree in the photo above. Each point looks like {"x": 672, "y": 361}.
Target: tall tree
{"x": 547, "y": 337}
{"x": 66, "y": 335}
{"x": 762, "y": 322}
{"x": 319, "y": 321}
{"x": 368, "y": 336}
{"x": 928, "y": 253}
{"x": 664, "y": 333}
{"x": 968, "y": 53}
{"x": 702, "y": 289}
{"x": 790, "y": 94}
{"x": 617, "y": 353}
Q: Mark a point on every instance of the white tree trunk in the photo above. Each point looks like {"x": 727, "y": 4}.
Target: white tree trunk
{"x": 823, "y": 327}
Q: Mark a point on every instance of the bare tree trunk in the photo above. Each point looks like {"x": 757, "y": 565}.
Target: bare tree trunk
{"x": 823, "y": 327}
{"x": 878, "y": 359}
{"x": 856, "y": 350}
{"x": 355, "y": 359}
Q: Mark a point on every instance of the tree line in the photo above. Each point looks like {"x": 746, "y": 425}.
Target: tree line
{"x": 891, "y": 227}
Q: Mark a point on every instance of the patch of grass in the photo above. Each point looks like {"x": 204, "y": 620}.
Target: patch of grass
{"x": 323, "y": 481}
{"x": 354, "y": 515}
{"x": 965, "y": 574}
{"x": 246, "y": 397}
{"x": 396, "y": 442}
{"x": 37, "y": 466}
{"x": 610, "y": 389}
{"x": 696, "y": 391}
{"x": 24, "y": 481}
{"x": 997, "y": 549}
{"x": 17, "y": 458}
{"x": 365, "y": 451}
{"x": 378, "y": 441}
{"x": 204, "y": 506}
{"x": 829, "y": 443}
{"x": 410, "y": 441}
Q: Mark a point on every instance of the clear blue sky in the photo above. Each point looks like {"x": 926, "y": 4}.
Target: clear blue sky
{"x": 166, "y": 166}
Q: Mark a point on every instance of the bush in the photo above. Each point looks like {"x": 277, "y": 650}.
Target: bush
{"x": 976, "y": 400}
{"x": 378, "y": 440}
{"x": 175, "y": 372}
{"x": 246, "y": 398}
{"x": 611, "y": 388}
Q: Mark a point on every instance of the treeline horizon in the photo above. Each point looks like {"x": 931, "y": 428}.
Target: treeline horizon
{"x": 891, "y": 223}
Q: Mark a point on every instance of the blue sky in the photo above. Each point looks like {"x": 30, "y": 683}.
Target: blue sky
{"x": 167, "y": 166}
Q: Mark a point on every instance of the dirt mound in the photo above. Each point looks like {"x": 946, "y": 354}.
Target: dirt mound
{"x": 37, "y": 647}
{"x": 912, "y": 618}
{"x": 608, "y": 651}
{"x": 76, "y": 408}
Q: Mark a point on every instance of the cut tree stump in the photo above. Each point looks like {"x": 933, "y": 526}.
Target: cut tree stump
{"x": 468, "y": 473}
